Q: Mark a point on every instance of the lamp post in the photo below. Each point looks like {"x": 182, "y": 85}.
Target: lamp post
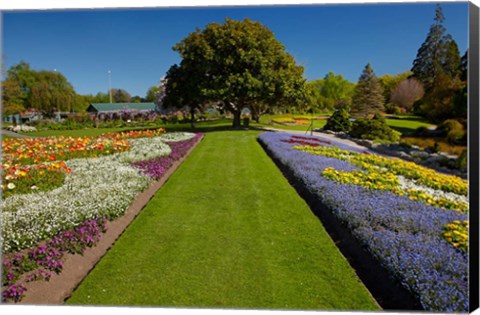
{"x": 110, "y": 85}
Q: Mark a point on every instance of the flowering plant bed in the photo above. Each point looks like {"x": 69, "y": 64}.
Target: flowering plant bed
{"x": 290, "y": 121}
{"x": 70, "y": 218}
{"x": 413, "y": 222}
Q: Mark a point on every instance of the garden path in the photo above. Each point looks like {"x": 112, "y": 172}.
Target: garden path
{"x": 12, "y": 134}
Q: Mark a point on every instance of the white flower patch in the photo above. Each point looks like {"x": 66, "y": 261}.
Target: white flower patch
{"x": 177, "y": 136}
{"x": 144, "y": 149}
{"x": 407, "y": 184}
{"x": 96, "y": 187}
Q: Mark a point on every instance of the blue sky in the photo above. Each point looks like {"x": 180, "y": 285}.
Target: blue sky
{"x": 136, "y": 44}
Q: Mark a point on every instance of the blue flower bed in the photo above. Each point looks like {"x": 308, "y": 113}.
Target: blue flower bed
{"x": 402, "y": 234}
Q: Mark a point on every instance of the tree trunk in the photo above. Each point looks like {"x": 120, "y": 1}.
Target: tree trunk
{"x": 256, "y": 117}
{"x": 236, "y": 119}
{"x": 192, "y": 118}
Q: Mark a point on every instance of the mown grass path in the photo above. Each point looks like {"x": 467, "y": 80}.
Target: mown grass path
{"x": 227, "y": 230}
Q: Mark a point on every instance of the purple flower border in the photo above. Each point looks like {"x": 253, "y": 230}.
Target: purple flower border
{"x": 43, "y": 260}
{"x": 402, "y": 234}
{"x": 157, "y": 167}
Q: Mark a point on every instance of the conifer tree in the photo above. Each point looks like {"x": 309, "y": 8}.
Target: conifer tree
{"x": 339, "y": 121}
{"x": 438, "y": 53}
{"x": 368, "y": 96}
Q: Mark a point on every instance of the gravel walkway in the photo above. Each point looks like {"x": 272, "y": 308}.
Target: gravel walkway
{"x": 12, "y": 134}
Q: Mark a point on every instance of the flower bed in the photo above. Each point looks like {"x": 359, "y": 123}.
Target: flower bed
{"x": 96, "y": 189}
{"x": 290, "y": 121}
{"x": 157, "y": 167}
{"x": 27, "y": 162}
{"x": 43, "y": 260}
{"x": 410, "y": 238}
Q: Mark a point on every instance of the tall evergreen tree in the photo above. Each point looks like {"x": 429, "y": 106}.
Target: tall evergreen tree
{"x": 464, "y": 67}
{"x": 438, "y": 53}
{"x": 452, "y": 61}
{"x": 460, "y": 106}
{"x": 368, "y": 96}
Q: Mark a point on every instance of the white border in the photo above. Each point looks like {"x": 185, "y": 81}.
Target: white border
{"x": 91, "y": 4}
{"x": 15, "y": 5}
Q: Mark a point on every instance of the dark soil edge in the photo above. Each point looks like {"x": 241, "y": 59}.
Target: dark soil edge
{"x": 76, "y": 267}
{"x": 388, "y": 292}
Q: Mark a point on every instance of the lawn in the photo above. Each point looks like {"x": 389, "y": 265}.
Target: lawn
{"x": 76, "y": 132}
{"x": 404, "y": 124}
{"x": 407, "y": 124}
{"x": 201, "y": 126}
{"x": 227, "y": 230}
{"x": 268, "y": 121}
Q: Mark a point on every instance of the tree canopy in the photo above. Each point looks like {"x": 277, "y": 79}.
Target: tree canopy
{"x": 390, "y": 82}
{"x": 332, "y": 91}
{"x": 438, "y": 54}
{"x": 439, "y": 67}
{"x": 406, "y": 93}
{"x": 180, "y": 92}
{"x": 238, "y": 64}
{"x": 152, "y": 94}
{"x": 120, "y": 96}
{"x": 48, "y": 91}
{"x": 43, "y": 90}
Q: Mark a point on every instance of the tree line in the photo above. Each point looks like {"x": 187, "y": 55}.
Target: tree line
{"x": 235, "y": 65}
{"x": 240, "y": 64}
{"x": 49, "y": 91}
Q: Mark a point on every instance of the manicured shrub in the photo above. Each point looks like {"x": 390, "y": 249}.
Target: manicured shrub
{"x": 339, "y": 121}
{"x": 374, "y": 129}
{"x": 422, "y": 132}
{"x": 79, "y": 121}
{"x": 462, "y": 160}
{"x": 454, "y": 130}
{"x": 393, "y": 109}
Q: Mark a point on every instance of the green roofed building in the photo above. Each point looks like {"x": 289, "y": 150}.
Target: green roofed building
{"x": 97, "y": 108}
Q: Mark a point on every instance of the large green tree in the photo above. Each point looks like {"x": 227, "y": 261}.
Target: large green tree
{"x": 48, "y": 91}
{"x": 367, "y": 97}
{"x": 241, "y": 64}
{"x": 152, "y": 94}
{"x": 120, "y": 96}
{"x": 52, "y": 92}
{"x": 460, "y": 106}
{"x": 315, "y": 100}
{"x": 336, "y": 90}
{"x": 438, "y": 54}
{"x": 439, "y": 103}
{"x": 12, "y": 102}
{"x": 24, "y": 76}
{"x": 329, "y": 93}
{"x": 181, "y": 92}
{"x": 438, "y": 67}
